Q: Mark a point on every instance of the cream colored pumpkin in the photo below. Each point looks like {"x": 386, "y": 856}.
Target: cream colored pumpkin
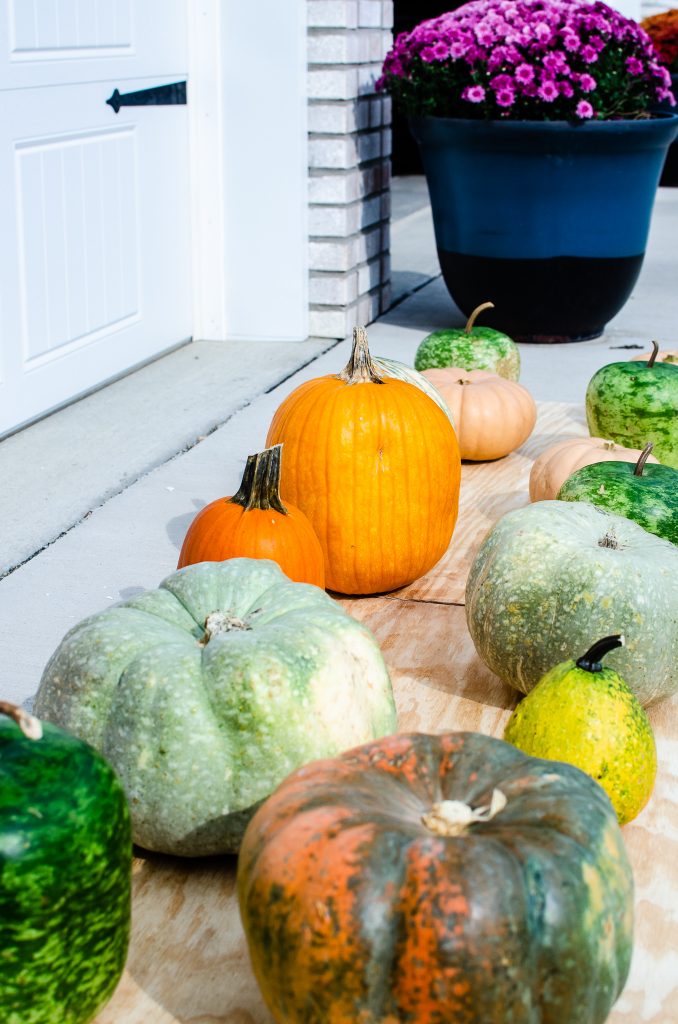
{"x": 670, "y": 356}
{"x": 560, "y": 461}
{"x": 494, "y": 416}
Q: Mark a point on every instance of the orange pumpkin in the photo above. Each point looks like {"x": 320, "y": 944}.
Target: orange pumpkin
{"x": 494, "y": 416}
{"x": 560, "y": 461}
{"x": 374, "y": 463}
{"x": 254, "y": 523}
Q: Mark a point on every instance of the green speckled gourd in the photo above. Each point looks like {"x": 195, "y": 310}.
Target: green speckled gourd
{"x": 205, "y": 693}
{"x": 65, "y": 875}
{"x": 553, "y": 577}
{"x": 645, "y": 493}
{"x": 633, "y": 403}
{"x": 437, "y": 880}
{"x": 585, "y": 714}
{"x": 470, "y": 348}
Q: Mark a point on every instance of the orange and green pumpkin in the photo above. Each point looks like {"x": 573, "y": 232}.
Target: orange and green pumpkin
{"x": 437, "y": 879}
{"x": 374, "y": 464}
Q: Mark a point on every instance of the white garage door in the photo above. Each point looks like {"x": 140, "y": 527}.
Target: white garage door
{"x": 94, "y": 205}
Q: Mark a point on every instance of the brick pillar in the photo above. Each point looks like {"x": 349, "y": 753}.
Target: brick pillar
{"x": 349, "y": 158}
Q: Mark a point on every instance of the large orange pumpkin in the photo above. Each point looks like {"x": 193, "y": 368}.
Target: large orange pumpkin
{"x": 494, "y": 416}
{"x": 374, "y": 463}
{"x": 254, "y": 523}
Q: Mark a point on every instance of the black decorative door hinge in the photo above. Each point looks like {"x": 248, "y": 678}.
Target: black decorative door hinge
{"x": 159, "y": 96}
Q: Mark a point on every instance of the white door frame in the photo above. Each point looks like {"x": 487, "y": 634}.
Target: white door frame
{"x": 248, "y": 137}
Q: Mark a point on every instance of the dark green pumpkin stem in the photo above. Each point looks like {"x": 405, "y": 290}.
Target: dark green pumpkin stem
{"x": 360, "y": 368}
{"x": 655, "y": 353}
{"x": 472, "y": 319}
{"x": 30, "y": 726}
{"x": 260, "y": 484}
{"x": 591, "y": 661}
{"x": 644, "y": 456}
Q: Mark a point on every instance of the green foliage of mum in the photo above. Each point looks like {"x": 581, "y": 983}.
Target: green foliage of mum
{"x": 649, "y": 498}
{"x": 205, "y": 693}
{"x": 65, "y": 876}
{"x": 633, "y": 403}
{"x": 555, "y": 576}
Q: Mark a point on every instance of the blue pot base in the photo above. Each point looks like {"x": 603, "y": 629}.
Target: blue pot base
{"x": 542, "y": 301}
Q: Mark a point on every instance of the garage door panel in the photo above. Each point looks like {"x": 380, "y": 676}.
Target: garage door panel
{"x": 94, "y": 216}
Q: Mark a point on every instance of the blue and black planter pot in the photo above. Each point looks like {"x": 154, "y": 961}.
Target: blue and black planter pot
{"x": 670, "y": 172}
{"x": 548, "y": 219}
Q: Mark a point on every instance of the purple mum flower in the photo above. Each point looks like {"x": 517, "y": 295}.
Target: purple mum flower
{"x": 589, "y": 54}
{"x": 565, "y": 89}
{"x": 548, "y": 91}
{"x": 502, "y": 82}
{"x": 506, "y": 97}
{"x": 634, "y": 66}
{"x": 587, "y": 83}
{"x": 524, "y": 74}
{"x": 571, "y": 42}
{"x": 474, "y": 94}
{"x": 584, "y": 109}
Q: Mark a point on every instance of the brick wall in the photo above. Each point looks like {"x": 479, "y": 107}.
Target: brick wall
{"x": 349, "y": 163}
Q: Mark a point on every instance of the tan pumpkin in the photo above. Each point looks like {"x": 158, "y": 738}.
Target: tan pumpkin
{"x": 558, "y": 463}
{"x": 670, "y": 356}
{"x": 494, "y": 416}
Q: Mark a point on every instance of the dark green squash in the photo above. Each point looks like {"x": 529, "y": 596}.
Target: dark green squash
{"x": 437, "y": 880}
{"x": 65, "y": 875}
{"x": 647, "y": 494}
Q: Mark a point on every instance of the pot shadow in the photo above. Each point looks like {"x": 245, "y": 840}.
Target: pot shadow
{"x": 177, "y": 527}
{"x": 188, "y": 952}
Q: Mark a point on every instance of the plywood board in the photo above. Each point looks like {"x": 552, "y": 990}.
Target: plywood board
{"x": 188, "y": 962}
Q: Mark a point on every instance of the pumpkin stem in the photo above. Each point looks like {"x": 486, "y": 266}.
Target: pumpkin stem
{"x": 655, "y": 353}
{"x": 30, "y": 726}
{"x": 360, "y": 368}
{"x": 591, "y": 661}
{"x": 472, "y": 319}
{"x": 260, "y": 484}
{"x": 220, "y": 622}
{"x": 453, "y": 817}
{"x": 644, "y": 455}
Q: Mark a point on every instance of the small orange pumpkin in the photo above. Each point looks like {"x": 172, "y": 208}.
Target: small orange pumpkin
{"x": 374, "y": 463}
{"x": 254, "y": 523}
{"x": 558, "y": 463}
{"x": 493, "y": 415}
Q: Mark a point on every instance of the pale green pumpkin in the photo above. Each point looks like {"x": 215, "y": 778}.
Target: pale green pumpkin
{"x": 554, "y": 577}
{"x": 401, "y": 371}
{"x": 205, "y": 693}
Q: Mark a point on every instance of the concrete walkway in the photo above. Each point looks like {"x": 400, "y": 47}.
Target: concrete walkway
{"x": 97, "y": 497}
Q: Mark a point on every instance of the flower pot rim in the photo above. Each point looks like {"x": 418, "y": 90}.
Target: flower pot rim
{"x": 513, "y": 124}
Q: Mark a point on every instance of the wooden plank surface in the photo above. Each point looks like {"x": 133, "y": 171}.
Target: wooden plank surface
{"x": 188, "y": 963}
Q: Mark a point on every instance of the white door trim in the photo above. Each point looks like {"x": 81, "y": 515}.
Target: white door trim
{"x": 248, "y": 130}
